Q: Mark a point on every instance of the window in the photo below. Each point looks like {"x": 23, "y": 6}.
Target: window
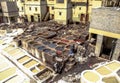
{"x": 22, "y": 8}
{"x": 60, "y": 13}
{"x": 60, "y": 1}
{"x": 22, "y": 0}
{"x": 79, "y": 8}
{"x": 18, "y": 9}
{"x": 35, "y": 8}
{"x": 52, "y": 8}
{"x": 29, "y": 8}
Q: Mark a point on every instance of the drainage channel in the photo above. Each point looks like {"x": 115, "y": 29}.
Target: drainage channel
{"x": 28, "y": 64}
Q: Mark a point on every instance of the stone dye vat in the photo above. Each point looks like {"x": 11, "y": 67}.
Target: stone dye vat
{"x": 113, "y": 66}
{"x": 9, "y": 48}
{"x": 89, "y": 76}
{"x": 23, "y": 59}
{"x": 44, "y": 75}
{"x": 103, "y": 70}
{"x": 46, "y": 50}
{"x": 34, "y": 70}
{"x": 12, "y": 52}
{"x": 41, "y": 48}
{"x": 60, "y": 48}
{"x": 30, "y": 63}
{"x": 8, "y": 72}
{"x": 108, "y": 73}
{"x": 20, "y": 54}
{"x": 112, "y": 79}
{"x": 46, "y": 42}
{"x": 3, "y": 65}
{"x": 14, "y": 79}
{"x": 52, "y": 45}
{"x": 61, "y": 44}
{"x": 41, "y": 67}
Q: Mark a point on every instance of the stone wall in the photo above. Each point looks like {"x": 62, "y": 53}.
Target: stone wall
{"x": 116, "y": 51}
{"x": 106, "y": 18}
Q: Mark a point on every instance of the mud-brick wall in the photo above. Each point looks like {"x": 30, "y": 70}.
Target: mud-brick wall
{"x": 116, "y": 51}
{"x": 106, "y": 19}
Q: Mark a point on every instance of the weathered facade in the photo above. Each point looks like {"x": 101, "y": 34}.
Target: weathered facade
{"x": 111, "y": 3}
{"x": 8, "y": 12}
{"x": 32, "y": 11}
{"x": 106, "y": 26}
{"x": 1, "y": 16}
{"x": 62, "y": 11}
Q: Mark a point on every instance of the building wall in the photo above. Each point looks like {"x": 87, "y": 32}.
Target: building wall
{"x": 69, "y": 12}
{"x": 77, "y": 11}
{"x": 30, "y": 9}
{"x": 20, "y": 5}
{"x": 9, "y": 11}
{"x": 106, "y": 19}
{"x": 61, "y": 12}
{"x": 117, "y": 50}
{"x": 43, "y": 9}
{"x": 80, "y": 8}
{"x": 111, "y": 3}
{"x": 33, "y": 10}
{"x": 98, "y": 45}
{"x": 106, "y": 22}
{"x": 50, "y": 4}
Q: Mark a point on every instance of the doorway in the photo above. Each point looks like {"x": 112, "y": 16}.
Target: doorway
{"x": 38, "y": 18}
{"x": 82, "y": 18}
{"x": 108, "y": 47}
{"x": 32, "y": 18}
{"x": 52, "y": 16}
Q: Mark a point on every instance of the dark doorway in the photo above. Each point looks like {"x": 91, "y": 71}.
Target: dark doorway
{"x": 82, "y": 17}
{"x": 32, "y": 18}
{"x": 38, "y": 18}
{"x": 87, "y": 17}
{"x": 52, "y": 16}
{"x": 108, "y": 47}
{"x": 12, "y": 19}
{"x": 119, "y": 57}
{"x": 25, "y": 18}
{"x": 1, "y": 20}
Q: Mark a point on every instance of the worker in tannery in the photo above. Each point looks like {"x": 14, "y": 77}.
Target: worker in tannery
{"x": 73, "y": 50}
